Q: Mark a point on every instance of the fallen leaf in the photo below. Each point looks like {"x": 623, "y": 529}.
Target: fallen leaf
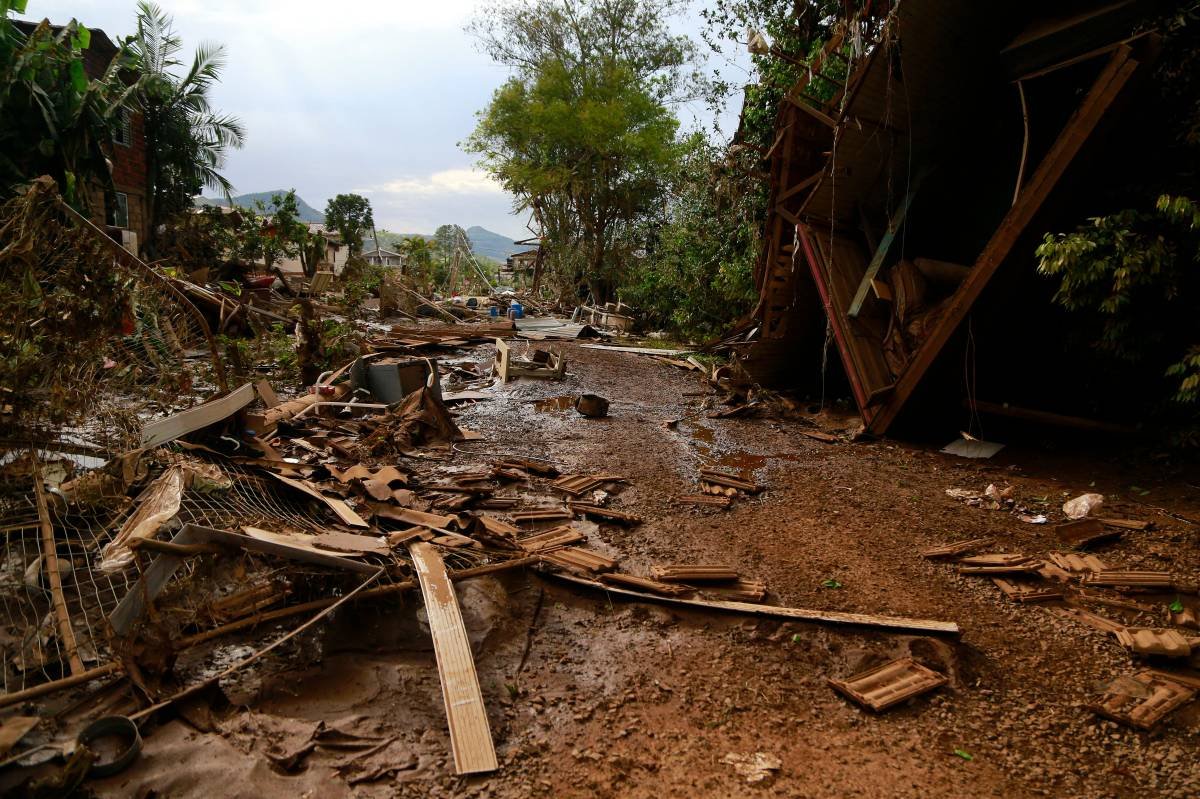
{"x": 965, "y": 755}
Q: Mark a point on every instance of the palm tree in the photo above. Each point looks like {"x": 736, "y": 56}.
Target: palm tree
{"x": 186, "y": 139}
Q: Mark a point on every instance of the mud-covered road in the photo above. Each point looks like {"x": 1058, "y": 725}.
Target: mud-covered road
{"x": 592, "y": 696}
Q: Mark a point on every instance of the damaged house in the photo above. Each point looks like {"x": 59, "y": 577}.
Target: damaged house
{"x": 905, "y": 210}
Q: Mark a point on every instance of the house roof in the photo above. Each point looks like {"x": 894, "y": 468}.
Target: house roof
{"x": 382, "y": 251}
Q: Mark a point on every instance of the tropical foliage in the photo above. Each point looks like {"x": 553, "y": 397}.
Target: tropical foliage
{"x": 53, "y": 119}
{"x": 186, "y": 139}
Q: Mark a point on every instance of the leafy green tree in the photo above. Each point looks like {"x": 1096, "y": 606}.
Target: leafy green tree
{"x": 350, "y": 215}
{"x": 283, "y": 234}
{"x": 418, "y": 261}
{"x": 53, "y": 119}
{"x": 1139, "y": 271}
{"x": 582, "y": 127}
{"x": 794, "y": 31}
{"x": 446, "y": 240}
{"x": 186, "y": 139}
{"x": 697, "y": 274}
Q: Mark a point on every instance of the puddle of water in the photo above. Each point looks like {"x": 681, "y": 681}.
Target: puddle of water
{"x": 702, "y": 434}
{"x": 563, "y": 403}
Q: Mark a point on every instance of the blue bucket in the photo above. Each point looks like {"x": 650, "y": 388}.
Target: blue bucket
{"x": 518, "y": 311}
{"x": 493, "y": 311}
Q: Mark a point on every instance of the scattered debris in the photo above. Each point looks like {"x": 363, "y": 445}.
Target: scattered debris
{"x": 756, "y": 768}
{"x": 1143, "y": 699}
{"x": 592, "y": 405}
{"x": 1082, "y": 506}
{"x": 890, "y": 684}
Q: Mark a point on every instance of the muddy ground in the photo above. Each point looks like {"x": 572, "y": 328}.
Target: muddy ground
{"x": 593, "y": 696}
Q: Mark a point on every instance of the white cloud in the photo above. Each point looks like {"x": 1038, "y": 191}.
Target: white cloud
{"x": 447, "y": 181}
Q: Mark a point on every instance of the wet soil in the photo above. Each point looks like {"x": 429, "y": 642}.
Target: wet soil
{"x": 592, "y": 696}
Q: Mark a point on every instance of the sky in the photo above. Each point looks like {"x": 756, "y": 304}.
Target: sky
{"x": 364, "y": 96}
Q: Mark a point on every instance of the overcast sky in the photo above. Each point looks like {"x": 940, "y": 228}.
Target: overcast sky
{"x": 365, "y": 96}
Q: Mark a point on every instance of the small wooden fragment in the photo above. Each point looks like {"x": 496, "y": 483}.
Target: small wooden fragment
{"x": 704, "y": 499}
{"x": 890, "y": 684}
{"x": 1082, "y": 532}
{"x": 1023, "y": 592}
{"x": 1126, "y": 524}
{"x": 470, "y": 736}
{"x": 954, "y": 550}
{"x": 730, "y": 481}
{"x": 996, "y": 559}
{"x": 1093, "y": 620}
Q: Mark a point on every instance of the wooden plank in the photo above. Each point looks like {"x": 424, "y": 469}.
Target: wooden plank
{"x": 1070, "y": 141}
{"x": 820, "y": 116}
{"x": 637, "y": 350}
{"x": 885, "y": 245}
{"x": 470, "y": 736}
{"x": 193, "y": 419}
{"x": 896, "y": 623}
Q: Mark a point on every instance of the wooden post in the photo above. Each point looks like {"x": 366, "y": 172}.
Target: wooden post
{"x": 66, "y": 632}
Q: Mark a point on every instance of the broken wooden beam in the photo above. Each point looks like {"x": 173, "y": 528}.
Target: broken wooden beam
{"x": 834, "y": 617}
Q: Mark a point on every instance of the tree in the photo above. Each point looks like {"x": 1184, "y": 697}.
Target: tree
{"x": 418, "y": 260}
{"x": 698, "y": 272}
{"x": 53, "y": 119}
{"x": 583, "y": 127}
{"x": 186, "y": 140}
{"x": 283, "y": 234}
{"x": 446, "y": 240}
{"x": 350, "y": 215}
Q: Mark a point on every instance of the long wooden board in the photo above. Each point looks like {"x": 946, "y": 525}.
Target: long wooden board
{"x": 470, "y": 736}
{"x": 897, "y": 623}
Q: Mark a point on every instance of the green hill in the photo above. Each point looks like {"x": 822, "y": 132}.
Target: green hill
{"x": 307, "y": 212}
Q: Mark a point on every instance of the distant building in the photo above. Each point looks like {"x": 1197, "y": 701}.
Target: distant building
{"x": 126, "y": 210}
{"x": 335, "y": 253}
{"x": 382, "y": 256}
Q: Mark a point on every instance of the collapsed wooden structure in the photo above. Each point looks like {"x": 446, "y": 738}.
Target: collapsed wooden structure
{"x": 958, "y": 134}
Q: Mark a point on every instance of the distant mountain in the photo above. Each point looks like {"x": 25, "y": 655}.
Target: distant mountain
{"x": 307, "y": 212}
{"x": 484, "y": 242}
{"x": 493, "y": 245}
